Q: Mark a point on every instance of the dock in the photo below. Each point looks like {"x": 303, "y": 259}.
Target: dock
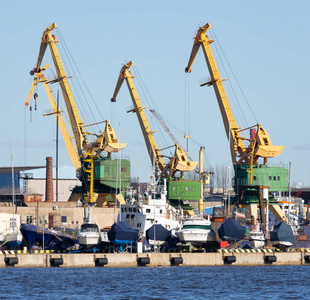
{"x": 40, "y": 259}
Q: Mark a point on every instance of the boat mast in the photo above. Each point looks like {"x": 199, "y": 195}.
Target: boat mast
{"x": 120, "y": 175}
{"x": 289, "y": 193}
{"x": 57, "y": 129}
{"x": 13, "y": 190}
{"x": 200, "y": 201}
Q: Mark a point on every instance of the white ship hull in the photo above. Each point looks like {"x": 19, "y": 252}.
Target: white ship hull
{"x": 282, "y": 244}
{"x": 89, "y": 235}
{"x": 196, "y": 237}
{"x": 257, "y": 243}
{"x": 88, "y": 239}
{"x": 197, "y": 231}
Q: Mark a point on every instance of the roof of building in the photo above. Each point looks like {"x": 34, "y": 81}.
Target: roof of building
{"x": 7, "y": 170}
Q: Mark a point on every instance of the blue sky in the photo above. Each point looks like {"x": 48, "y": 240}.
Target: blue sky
{"x": 266, "y": 44}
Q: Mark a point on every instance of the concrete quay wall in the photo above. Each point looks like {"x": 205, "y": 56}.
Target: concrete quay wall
{"x": 26, "y": 260}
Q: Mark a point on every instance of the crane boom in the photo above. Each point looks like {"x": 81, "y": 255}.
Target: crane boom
{"x": 261, "y": 146}
{"x": 179, "y": 161}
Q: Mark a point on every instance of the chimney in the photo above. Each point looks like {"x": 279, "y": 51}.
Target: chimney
{"x": 49, "y": 180}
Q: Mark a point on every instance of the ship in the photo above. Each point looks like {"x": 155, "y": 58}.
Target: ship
{"x": 141, "y": 214}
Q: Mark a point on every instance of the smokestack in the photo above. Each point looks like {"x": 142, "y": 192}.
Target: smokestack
{"x": 49, "y": 180}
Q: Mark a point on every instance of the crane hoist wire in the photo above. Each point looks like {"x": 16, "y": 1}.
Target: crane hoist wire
{"x": 74, "y": 67}
{"x": 145, "y": 91}
{"x": 191, "y": 140}
{"x": 150, "y": 102}
{"x": 83, "y": 107}
{"x": 187, "y": 130}
{"x": 229, "y": 87}
{"x": 162, "y": 136}
{"x": 238, "y": 84}
{"x": 64, "y": 49}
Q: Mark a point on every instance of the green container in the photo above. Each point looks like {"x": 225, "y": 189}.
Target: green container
{"x": 184, "y": 190}
{"x": 274, "y": 177}
{"x": 106, "y": 173}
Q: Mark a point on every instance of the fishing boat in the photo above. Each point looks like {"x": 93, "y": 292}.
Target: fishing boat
{"x": 197, "y": 231}
{"x": 141, "y": 214}
{"x": 39, "y": 237}
{"x": 89, "y": 235}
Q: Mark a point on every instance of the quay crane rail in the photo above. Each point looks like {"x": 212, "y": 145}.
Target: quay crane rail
{"x": 179, "y": 161}
{"x": 86, "y": 151}
{"x": 259, "y": 144}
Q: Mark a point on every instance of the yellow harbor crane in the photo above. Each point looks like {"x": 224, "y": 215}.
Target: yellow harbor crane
{"x": 179, "y": 161}
{"x": 259, "y": 144}
{"x": 84, "y": 151}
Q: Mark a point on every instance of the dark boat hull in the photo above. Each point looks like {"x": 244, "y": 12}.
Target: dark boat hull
{"x": 33, "y": 235}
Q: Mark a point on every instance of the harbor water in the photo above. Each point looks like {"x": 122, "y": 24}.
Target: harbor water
{"x": 226, "y": 282}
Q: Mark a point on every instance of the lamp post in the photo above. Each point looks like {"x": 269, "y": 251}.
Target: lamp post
{"x": 179, "y": 202}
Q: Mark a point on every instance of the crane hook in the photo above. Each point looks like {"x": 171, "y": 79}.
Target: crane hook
{"x": 35, "y": 96}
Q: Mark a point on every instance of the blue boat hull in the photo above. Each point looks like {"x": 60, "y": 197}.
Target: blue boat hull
{"x": 34, "y": 238}
{"x": 12, "y": 245}
{"x": 122, "y": 242}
